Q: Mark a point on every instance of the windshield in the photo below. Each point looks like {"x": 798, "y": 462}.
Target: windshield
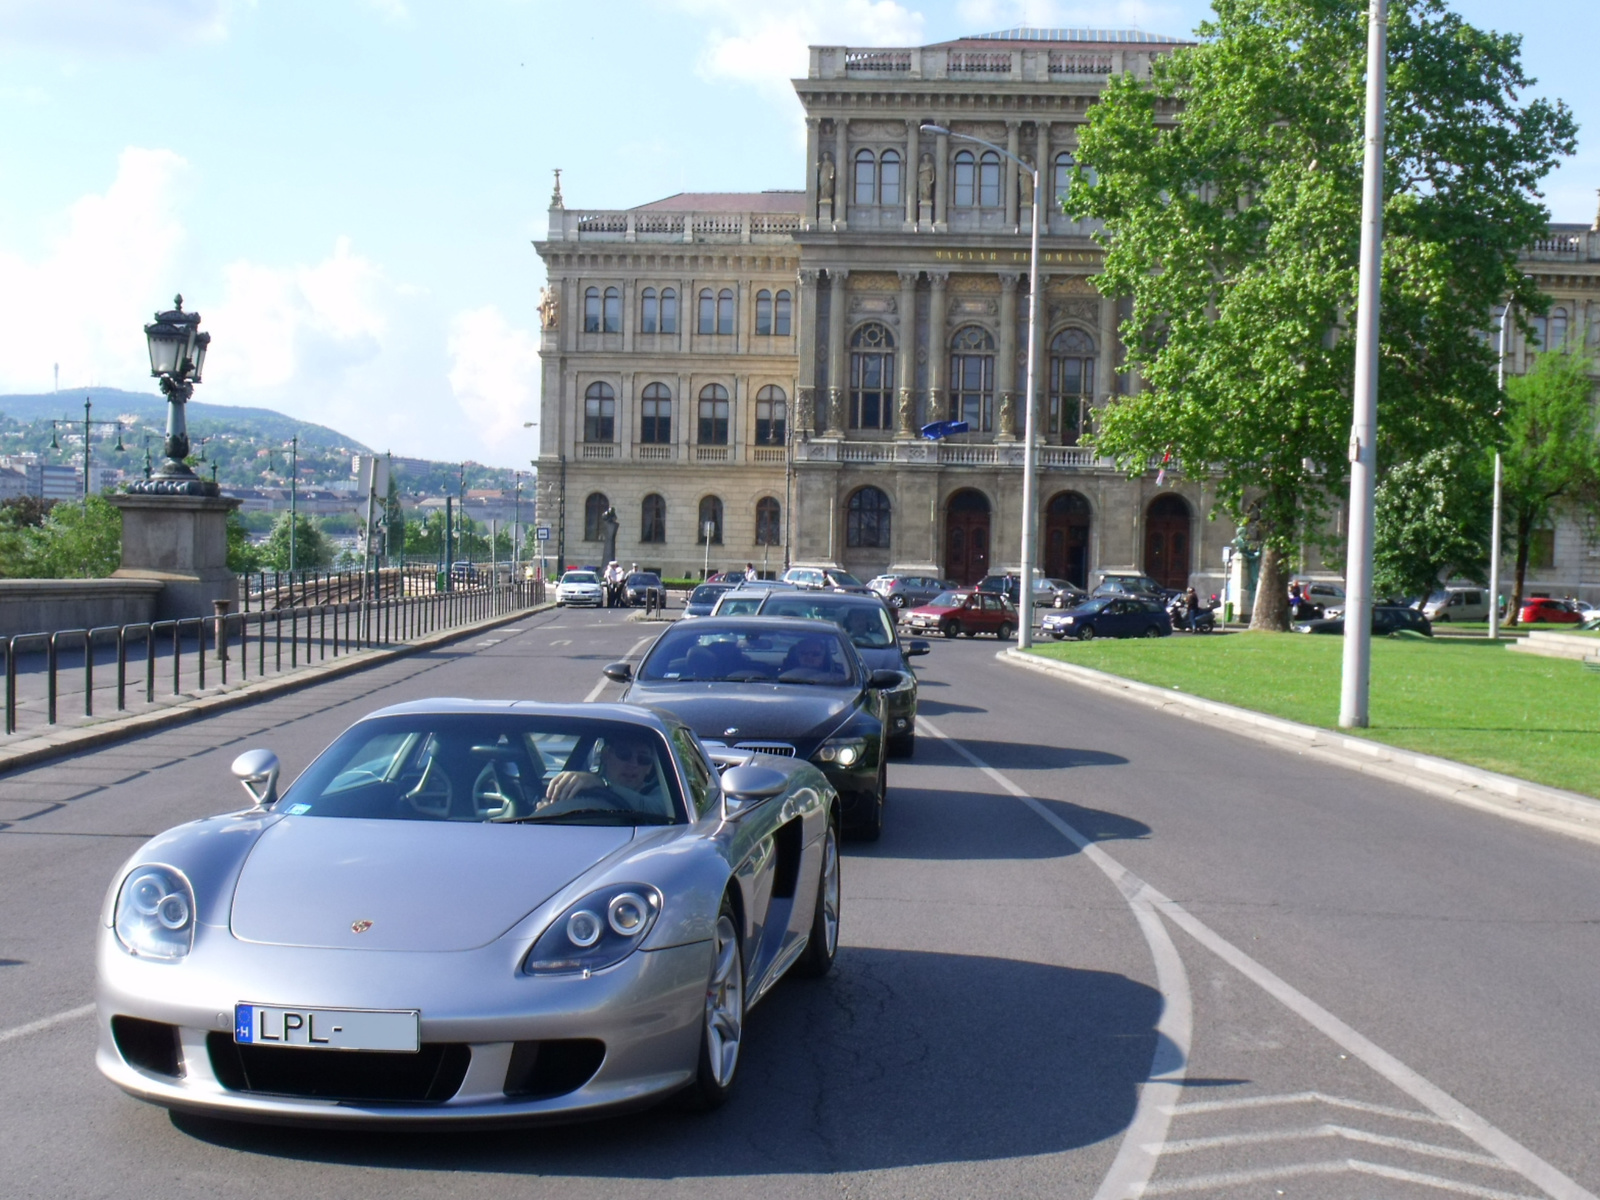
{"x": 949, "y": 599}
{"x": 844, "y": 579}
{"x": 579, "y": 577}
{"x": 689, "y": 655}
{"x": 867, "y": 625}
{"x": 706, "y": 593}
{"x": 492, "y": 767}
{"x": 1438, "y": 597}
{"x": 644, "y": 580}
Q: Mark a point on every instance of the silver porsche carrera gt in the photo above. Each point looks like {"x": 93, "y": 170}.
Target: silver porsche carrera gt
{"x": 469, "y": 911}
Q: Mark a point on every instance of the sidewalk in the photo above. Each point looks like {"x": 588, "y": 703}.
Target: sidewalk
{"x": 64, "y": 741}
{"x": 1549, "y": 808}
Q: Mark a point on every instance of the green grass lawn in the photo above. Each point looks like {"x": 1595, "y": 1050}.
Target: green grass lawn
{"x": 1475, "y": 702}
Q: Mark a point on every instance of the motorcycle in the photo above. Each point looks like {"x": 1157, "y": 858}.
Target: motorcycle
{"x": 1205, "y": 619}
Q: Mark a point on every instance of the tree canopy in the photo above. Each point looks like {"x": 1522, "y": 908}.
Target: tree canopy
{"x": 1229, "y": 185}
{"x": 1432, "y": 522}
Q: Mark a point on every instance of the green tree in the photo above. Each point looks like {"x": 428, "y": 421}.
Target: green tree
{"x": 243, "y": 555}
{"x": 1551, "y": 452}
{"x": 74, "y": 541}
{"x": 1433, "y": 522}
{"x": 425, "y": 538}
{"x": 1230, "y": 188}
{"x": 394, "y": 519}
{"x": 312, "y": 550}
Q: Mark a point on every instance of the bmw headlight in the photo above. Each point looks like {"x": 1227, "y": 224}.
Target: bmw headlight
{"x": 155, "y": 913}
{"x": 842, "y": 752}
{"x": 598, "y": 931}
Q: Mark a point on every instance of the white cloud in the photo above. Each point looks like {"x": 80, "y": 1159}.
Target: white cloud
{"x": 494, "y": 373}
{"x": 117, "y": 26}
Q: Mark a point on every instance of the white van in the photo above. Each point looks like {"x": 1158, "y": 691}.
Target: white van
{"x": 1457, "y": 604}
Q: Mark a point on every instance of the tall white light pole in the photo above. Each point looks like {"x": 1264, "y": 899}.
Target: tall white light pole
{"x": 1029, "y": 517}
{"x": 1354, "y": 689}
{"x": 1494, "y": 524}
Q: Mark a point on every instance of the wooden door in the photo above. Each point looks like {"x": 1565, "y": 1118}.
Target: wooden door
{"x": 966, "y": 554}
{"x": 1166, "y": 542}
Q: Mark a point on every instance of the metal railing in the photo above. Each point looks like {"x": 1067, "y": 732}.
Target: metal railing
{"x": 97, "y": 668}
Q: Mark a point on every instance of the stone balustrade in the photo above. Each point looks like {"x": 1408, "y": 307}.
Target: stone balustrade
{"x": 628, "y": 225}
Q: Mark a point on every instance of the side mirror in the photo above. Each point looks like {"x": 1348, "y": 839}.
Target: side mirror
{"x": 258, "y": 770}
{"x": 620, "y": 672}
{"x": 884, "y": 680}
{"x": 917, "y": 647}
{"x": 745, "y": 787}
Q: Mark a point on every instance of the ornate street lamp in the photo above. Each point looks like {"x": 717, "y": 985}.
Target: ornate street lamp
{"x": 177, "y": 357}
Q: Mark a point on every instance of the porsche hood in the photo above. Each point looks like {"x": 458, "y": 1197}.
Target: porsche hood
{"x": 405, "y": 885}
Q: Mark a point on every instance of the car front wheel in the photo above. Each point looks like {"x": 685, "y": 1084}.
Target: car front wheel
{"x": 897, "y": 601}
{"x": 1086, "y": 634}
{"x": 722, "y": 1028}
{"x": 824, "y": 941}
{"x": 871, "y": 829}
{"x": 951, "y": 629}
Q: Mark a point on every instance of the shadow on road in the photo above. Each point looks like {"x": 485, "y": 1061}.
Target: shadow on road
{"x": 1023, "y": 756}
{"x": 938, "y": 708}
{"x": 899, "y": 1058}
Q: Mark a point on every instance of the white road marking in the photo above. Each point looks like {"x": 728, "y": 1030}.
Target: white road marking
{"x": 562, "y": 642}
{"x": 488, "y": 642}
{"x": 1149, "y": 1127}
{"x": 509, "y": 632}
{"x": 1268, "y": 1136}
{"x": 43, "y": 1023}
{"x": 604, "y": 682}
{"x": 1233, "y": 1180}
{"x": 1378, "y": 1110}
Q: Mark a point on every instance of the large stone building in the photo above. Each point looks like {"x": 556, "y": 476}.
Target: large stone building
{"x": 759, "y": 365}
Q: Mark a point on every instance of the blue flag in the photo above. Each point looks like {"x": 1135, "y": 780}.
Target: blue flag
{"x": 943, "y": 429}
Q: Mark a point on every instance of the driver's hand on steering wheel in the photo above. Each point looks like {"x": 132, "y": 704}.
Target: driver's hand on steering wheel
{"x": 569, "y": 784}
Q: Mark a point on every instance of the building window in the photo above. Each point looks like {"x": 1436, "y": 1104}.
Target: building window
{"x": 889, "y": 178}
{"x": 867, "y": 520}
{"x": 613, "y": 315}
{"x": 1063, "y": 176}
{"x": 772, "y": 410}
{"x": 725, "y": 312}
{"x": 871, "y": 377}
{"x": 594, "y": 508}
{"x": 1071, "y": 384}
{"x": 599, "y": 413}
{"x": 655, "y": 415}
{"x": 714, "y": 415}
{"x": 648, "y": 311}
{"x": 591, "y": 311}
{"x": 866, "y": 177}
{"x": 1542, "y": 550}
{"x": 769, "y": 523}
{"x": 781, "y": 314}
{"x": 708, "y": 312}
{"x": 965, "y": 179}
{"x": 972, "y": 378}
{"x": 669, "y": 310}
{"x": 989, "y": 180}
{"x": 710, "y": 521}
{"x": 1558, "y": 328}
{"x": 763, "y": 313}
{"x": 653, "y": 519}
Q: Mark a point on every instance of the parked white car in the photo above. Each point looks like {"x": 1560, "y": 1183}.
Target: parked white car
{"x": 579, "y": 587}
{"x": 1457, "y": 604}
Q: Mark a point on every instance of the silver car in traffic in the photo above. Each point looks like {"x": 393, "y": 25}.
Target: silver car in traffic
{"x": 466, "y": 912}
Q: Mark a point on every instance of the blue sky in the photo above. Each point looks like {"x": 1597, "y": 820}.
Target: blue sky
{"x": 347, "y": 189}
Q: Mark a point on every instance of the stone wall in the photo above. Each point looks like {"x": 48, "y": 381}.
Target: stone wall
{"x": 46, "y": 605}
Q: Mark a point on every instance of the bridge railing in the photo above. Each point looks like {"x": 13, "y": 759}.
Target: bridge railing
{"x": 129, "y": 667}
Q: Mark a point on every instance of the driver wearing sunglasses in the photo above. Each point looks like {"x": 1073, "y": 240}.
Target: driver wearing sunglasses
{"x": 627, "y": 776}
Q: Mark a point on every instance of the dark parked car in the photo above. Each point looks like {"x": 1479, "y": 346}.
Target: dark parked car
{"x": 704, "y": 598}
{"x": 643, "y": 588}
{"x": 1386, "y": 619}
{"x": 1109, "y": 616}
{"x": 908, "y": 591}
{"x": 871, "y": 630}
{"x": 789, "y": 687}
{"x": 1129, "y": 583}
{"x": 1047, "y": 593}
{"x": 967, "y": 612}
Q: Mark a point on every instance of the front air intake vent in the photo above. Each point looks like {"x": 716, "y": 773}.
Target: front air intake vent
{"x": 540, "y": 1070}
{"x": 430, "y": 1076}
{"x": 148, "y": 1045}
{"x": 782, "y": 749}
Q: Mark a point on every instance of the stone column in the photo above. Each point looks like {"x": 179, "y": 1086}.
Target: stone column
{"x": 842, "y": 175}
{"x": 941, "y": 181}
{"x": 838, "y": 300}
{"x": 1047, "y": 173}
{"x": 1006, "y": 362}
{"x": 1013, "y": 134}
{"x": 905, "y": 413}
{"x": 813, "y": 156}
{"x": 938, "y": 352}
{"x": 908, "y": 173}
{"x": 806, "y": 393}
{"x": 181, "y": 542}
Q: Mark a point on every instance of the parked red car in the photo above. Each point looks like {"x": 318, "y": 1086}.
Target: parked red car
{"x": 965, "y": 611}
{"x": 1537, "y": 609}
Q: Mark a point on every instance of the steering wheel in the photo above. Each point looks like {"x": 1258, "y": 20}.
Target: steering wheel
{"x": 432, "y": 794}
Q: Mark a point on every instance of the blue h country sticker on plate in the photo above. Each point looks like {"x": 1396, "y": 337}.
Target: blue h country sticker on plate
{"x": 244, "y": 1023}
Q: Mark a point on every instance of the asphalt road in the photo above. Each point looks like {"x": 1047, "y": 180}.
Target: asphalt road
{"x": 1097, "y": 949}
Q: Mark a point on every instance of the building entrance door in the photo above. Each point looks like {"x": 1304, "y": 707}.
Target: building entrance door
{"x": 1066, "y": 538}
{"x": 1166, "y": 542}
{"x": 966, "y": 537}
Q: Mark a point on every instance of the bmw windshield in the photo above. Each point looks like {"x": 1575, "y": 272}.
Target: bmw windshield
{"x": 690, "y": 655}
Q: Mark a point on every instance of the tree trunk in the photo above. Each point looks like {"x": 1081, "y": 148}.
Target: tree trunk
{"x": 1271, "y": 609}
{"x": 1520, "y": 576}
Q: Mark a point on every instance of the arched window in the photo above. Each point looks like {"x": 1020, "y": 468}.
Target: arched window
{"x": 989, "y": 180}
{"x": 781, "y": 315}
{"x": 653, "y": 519}
{"x": 1558, "y": 328}
{"x": 648, "y": 311}
{"x": 710, "y": 521}
{"x": 599, "y": 413}
{"x": 725, "y": 312}
{"x": 708, "y": 312}
{"x": 613, "y": 311}
{"x": 594, "y": 508}
{"x": 1063, "y": 176}
{"x": 866, "y": 522}
{"x": 763, "y": 313}
{"x": 966, "y": 192}
{"x": 889, "y": 177}
{"x": 772, "y": 411}
{"x": 1541, "y": 333}
{"x": 591, "y": 311}
{"x": 866, "y": 177}
{"x": 972, "y": 378}
{"x": 714, "y": 415}
{"x": 769, "y": 522}
{"x": 1071, "y": 384}
{"x": 655, "y": 415}
{"x": 871, "y": 378}
{"x": 669, "y": 310}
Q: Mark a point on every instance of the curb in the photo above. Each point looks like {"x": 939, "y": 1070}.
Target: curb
{"x": 60, "y": 743}
{"x": 1549, "y": 808}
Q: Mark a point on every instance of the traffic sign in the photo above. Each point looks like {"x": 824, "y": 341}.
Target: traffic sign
{"x": 541, "y": 533}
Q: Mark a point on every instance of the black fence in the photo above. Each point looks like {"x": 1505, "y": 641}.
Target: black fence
{"x": 48, "y": 673}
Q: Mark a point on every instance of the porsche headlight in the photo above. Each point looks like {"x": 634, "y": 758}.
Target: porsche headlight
{"x": 155, "y": 913}
{"x": 598, "y": 931}
{"x": 843, "y": 752}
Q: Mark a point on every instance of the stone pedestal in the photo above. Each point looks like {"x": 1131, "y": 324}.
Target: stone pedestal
{"x": 181, "y": 542}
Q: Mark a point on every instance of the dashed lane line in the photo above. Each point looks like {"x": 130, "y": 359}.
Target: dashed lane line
{"x": 43, "y": 1023}
{"x": 594, "y": 693}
